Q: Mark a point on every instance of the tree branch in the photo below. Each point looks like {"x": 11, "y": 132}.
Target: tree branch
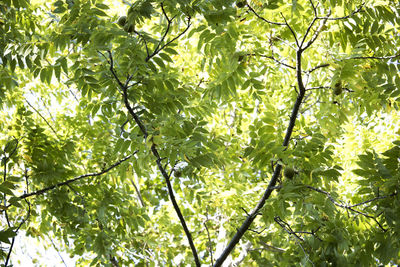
{"x": 44, "y": 190}
{"x": 345, "y": 17}
{"x": 124, "y": 89}
{"x": 271, "y": 186}
{"x": 372, "y": 57}
{"x": 138, "y": 192}
{"x": 351, "y": 207}
{"x": 274, "y": 59}
{"x": 160, "y": 47}
{"x": 317, "y": 67}
{"x": 291, "y": 30}
{"x": 262, "y": 18}
{"x": 48, "y": 124}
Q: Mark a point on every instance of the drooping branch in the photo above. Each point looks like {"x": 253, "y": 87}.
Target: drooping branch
{"x": 372, "y": 57}
{"x": 80, "y": 177}
{"x": 40, "y": 115}
{"x": 276, "y": 60}
{"x": 345, "y": 17}
{"x": 351, "y": 207}
{"x": 354, "y": 58}
{"x": 162, "y": 169}
{"x": 285, "y": 226}
{"x": 262, "y": 18}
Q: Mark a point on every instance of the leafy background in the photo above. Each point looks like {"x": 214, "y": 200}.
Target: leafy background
{"x": 108, "y": 133}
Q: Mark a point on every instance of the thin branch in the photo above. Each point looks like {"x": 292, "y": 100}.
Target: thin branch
{"x": 209, "y": 241}
{"x": 372, "y": 57}
{"x": 316, "y": 33}
{"x": 345, "y": 17}
{"x": 274, "y": 59}
{"x": 138, "y": 192}
{"x": 9, "y": 252}
{"x": 317, "y": 67}
{"x": 317, "y": 88}
{"x": 308, "y": 30}
{"x": 262, "y": 18}
{"x": 144, "y": 40}
{"x": 21, "y": 223}
{"x": 373, "y": 199}
{"x": 176, "y": 206}
{"x": 351, "y": 207}
{"x": 269, "y": 247}
{"x": 314, "y": 8}
{"x": 291, "y": 30}
{"x": 58, "y": 252}
{"x": 44, "y": 190}
{"x": 285, "y": 226}
{"x": 40, "y": 115}
{"x": 160, "y": 47}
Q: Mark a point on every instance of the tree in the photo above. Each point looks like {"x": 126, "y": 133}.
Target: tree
{"x": 202, "y": 132}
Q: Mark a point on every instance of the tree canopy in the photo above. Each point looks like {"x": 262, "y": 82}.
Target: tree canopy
{"x": 202, "y": 132}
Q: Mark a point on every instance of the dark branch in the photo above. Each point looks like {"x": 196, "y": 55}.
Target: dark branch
{"x": 372, "y": 57}
{"x": 44, "y": 190}
{"x": 317, "y": 87}
{"x": 291, "y": 30}
{"x": 262, "y": 18}
{"x": 274, "y": 59}
{"x": 345, "y": 17}
{"x": 351, "y": 207}
{"x": 315, "y": 36}
{"x": 317, "y": 67}
{"x": 373, "y": 199}
{"x": 40, "y": 115}
{"x": 271, "y": 186}
{"x": 209, "y": 243}
{"x": 169, "y": 22}
{"x": 124, "y": 89}
{"x": 308, "y": 30}
{"x": 285, "y": 226}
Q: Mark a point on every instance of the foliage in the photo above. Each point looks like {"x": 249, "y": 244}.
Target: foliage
{"x": 161, "y": 138}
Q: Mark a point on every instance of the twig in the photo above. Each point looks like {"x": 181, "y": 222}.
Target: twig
{"x": 317, "y": 67}
{"x": 371, "y": 57}
{"x": 373, "y": 199}
{"x": 291, "y": 30}
{"x": 160, "y": 47}
{"x": 44, "y": 190}
{"x": 58, "y": 252}
{"x": 138, "y": 192}
{"x": 269, "y": 247}
{"x": 351, "y": 207}
{"x": 209, "y": 241}
{"x": 345, "y": 17}
{"x": 262, "y": 18}
{"x": 318, "y": 87}
{"x": 315, "y": 35}
{"x": 40, "y": 115}
{"x": 285, "y": 226}
{"x": 274, "y": 59}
